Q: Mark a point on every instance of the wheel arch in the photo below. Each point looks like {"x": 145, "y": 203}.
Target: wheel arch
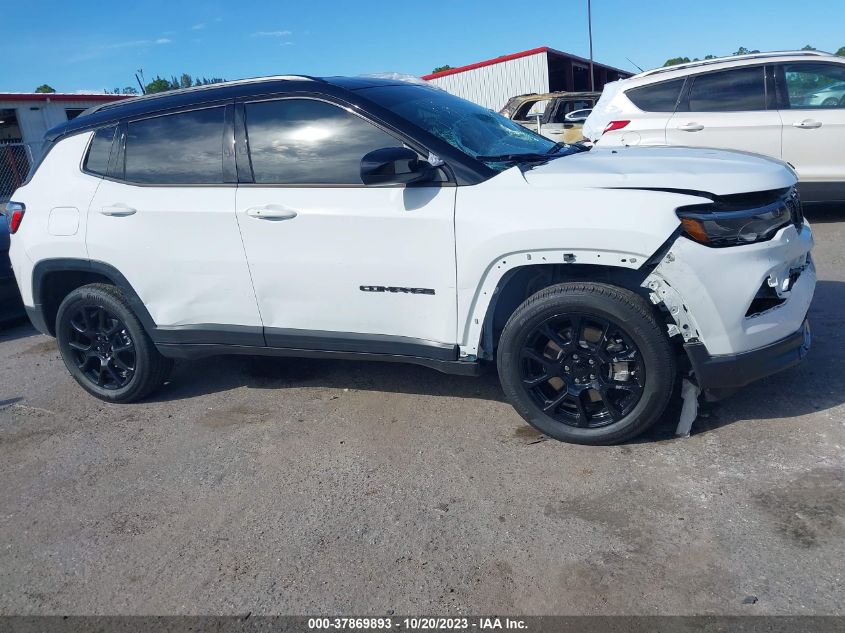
{"x": 54, "y": 279}
{"x": 512, "y": 279}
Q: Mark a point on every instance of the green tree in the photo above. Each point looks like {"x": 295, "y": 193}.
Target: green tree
{"x": 440, "y": 69}
{"x": 809, "y": 48}
{"x": 841, "y": 52}
{"x": 744, "y": 51}
{"x": 129, "y": 90}
{"x": 185, "y": 81}
{"x": 45, "y": 88}
{"x": 157, "y": 85}
{"x": 674, "y": 61}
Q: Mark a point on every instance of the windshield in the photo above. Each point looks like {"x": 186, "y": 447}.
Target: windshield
{"x": 468, "y": 127}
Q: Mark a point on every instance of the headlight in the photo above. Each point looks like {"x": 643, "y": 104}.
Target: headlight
{"x": 731, "y": 228}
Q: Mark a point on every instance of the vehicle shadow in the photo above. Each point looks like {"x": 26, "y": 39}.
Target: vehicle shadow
{"x": 17, "y": 329}
{"x": 793, "y": 393}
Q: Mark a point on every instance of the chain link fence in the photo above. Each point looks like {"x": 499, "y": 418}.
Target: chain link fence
{"x": 15, "y": 160}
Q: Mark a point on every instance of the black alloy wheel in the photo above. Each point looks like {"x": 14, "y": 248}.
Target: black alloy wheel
{"x": 582, "y": 370}
{"x": 102, "y": 347}
{"x": 587, "y": 362}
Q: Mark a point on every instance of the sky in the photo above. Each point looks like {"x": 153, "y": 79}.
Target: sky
{"x": 93, "y": 45}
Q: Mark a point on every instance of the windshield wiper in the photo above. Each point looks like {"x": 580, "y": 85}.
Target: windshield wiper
{"x": 518, "y": 158}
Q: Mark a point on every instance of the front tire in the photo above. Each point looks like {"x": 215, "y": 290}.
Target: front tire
{"x": 586, "y": 363}
{"x": 105, "y": 348}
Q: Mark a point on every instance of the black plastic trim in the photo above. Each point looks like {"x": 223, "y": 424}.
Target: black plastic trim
{"x": 731, "y": 371}
{"x": 36, "y": 317}
{"x": 193, "y": 351}
{"x": 359, "y": 343}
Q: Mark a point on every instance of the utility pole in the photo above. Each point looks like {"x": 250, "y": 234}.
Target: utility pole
{"x": 590, "y": 31}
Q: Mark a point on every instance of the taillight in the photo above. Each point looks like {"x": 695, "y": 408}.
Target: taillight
{"x": 15, "y": 211}
{"x": 615, "y": 125}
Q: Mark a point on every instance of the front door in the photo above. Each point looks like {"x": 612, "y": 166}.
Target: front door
{"x": 728, "y": 110}
{"x": 338, "y": 265}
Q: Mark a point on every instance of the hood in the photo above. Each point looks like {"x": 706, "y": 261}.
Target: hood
{"x": 720, "y": 172}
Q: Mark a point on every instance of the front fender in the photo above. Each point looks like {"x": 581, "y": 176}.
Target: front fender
{"x": 505, "y": 223}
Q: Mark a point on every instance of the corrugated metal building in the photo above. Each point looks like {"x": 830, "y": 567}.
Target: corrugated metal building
{"x": 492, "y": 82}
{"x": 24, "y": 117}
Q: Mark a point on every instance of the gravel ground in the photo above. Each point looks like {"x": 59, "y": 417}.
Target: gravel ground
{"x": 302, "y": 486}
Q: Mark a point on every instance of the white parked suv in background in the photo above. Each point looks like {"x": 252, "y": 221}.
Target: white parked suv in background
{"x": 376, "y": 219}
{"x": 787, "y": 105}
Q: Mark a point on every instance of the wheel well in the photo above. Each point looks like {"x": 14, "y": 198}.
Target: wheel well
{"x": 58, "y": 284}
{"x": 520, "y": 283}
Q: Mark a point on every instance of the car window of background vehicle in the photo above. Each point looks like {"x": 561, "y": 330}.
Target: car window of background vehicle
{"x": 659, "y": 97}
{"x": 815, "y": 86}
{"x": 305, "y": 141}
{"x": 735, "y": 90}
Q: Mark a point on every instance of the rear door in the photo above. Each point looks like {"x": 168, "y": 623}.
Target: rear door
{"x": 728, "y": 109}
{"x": 812, "y": 107}
{"x": 164, "y": 216}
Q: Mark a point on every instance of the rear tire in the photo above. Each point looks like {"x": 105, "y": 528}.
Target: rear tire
{"x": 105, "y": 348}
{"x": 586, "y": 363}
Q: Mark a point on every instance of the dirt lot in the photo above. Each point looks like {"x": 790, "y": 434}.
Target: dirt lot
{"x": 303, "y": 486}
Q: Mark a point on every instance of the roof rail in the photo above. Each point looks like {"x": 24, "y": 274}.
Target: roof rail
{"x": 719, "y": 60}
{"x": 222, "y": 84}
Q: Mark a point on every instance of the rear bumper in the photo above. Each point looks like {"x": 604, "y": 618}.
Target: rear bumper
{"x": 731, "y": 371}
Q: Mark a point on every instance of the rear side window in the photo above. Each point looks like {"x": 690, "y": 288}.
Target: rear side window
{"x": 304, "y": 141}
{"x": 814, "y": 86}
{"x": 660, "y": 97}
{"x": 736, "y": 90}
{"x": 176, "y": 149}
{"x": 97, "y": 160}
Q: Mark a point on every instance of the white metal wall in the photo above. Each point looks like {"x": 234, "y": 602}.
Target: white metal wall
{"x": 491, "y": 86}
{"x": 36, "y": 117}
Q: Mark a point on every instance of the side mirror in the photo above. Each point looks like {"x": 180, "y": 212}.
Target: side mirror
{"x": 394, "y": 166}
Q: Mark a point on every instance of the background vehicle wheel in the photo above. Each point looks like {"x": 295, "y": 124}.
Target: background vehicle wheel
{"x": 586, "y": 363}
{"x": 830, "y": 102}
{"x": 104, "y": 346}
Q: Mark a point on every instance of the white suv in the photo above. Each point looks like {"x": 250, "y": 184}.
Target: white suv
{"x": 787, "y": 105}
{"x": 373, "y": 219}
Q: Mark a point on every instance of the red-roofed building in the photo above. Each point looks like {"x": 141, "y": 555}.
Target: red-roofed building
{"x": 492, "y": 82}
{"x": 24, "y": 117}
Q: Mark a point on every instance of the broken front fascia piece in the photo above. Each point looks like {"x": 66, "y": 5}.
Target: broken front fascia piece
{"x": 662, "y": 293}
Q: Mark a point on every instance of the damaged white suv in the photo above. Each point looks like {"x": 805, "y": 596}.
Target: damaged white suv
{"x": 376, "y": 219}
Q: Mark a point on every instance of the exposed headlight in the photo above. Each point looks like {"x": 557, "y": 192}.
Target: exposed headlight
{"x": 718, "y": 228}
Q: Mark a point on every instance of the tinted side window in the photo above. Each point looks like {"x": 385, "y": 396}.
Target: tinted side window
{"x": 184, "y": 148}
{"x": 97, "y": 160}
{"x": 736, "y": 90}
{"x": 814, "y": 86}
{"x": 303, "y": 141}
{"x": 661, "y": 97}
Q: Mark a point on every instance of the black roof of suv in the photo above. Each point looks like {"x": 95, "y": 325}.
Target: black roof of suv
{"x": 186, "y": 97}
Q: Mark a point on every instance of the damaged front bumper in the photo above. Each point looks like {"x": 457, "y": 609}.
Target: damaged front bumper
{"x": 741, "y": 311}
{"x": 724, "y": 373}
